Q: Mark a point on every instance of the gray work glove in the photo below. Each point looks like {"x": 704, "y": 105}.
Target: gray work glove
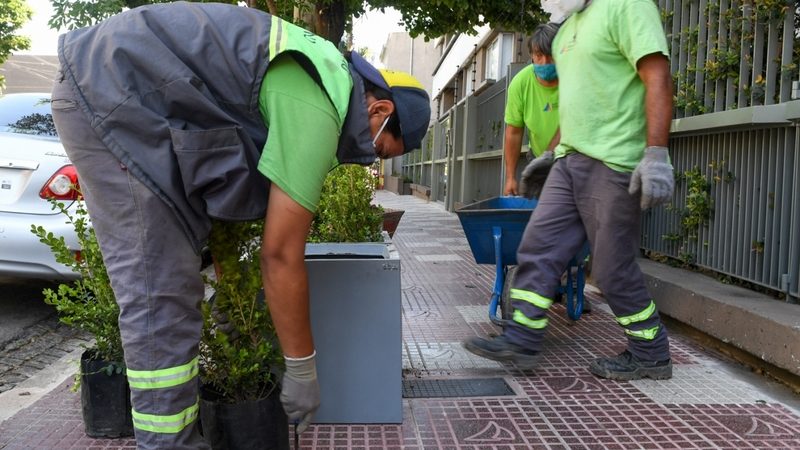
{"x": 300, "y": 390}
{"x": 654, "y": 176}
{"x": 535, "y": 174}
{"x": 221, "y": 320}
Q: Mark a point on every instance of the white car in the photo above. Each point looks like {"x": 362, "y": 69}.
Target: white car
{"x": 33, "y": 168}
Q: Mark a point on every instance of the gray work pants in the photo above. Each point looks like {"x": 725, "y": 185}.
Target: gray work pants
{"x": 155, "y": 275}
{"x": 583, "y": 198}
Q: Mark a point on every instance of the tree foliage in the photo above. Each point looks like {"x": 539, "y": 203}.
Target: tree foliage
{"x": 434, "y": 18}
{"x": 331, "y": 18}
{"x": 13, "y": 15}
{"x": 327, "y": 18}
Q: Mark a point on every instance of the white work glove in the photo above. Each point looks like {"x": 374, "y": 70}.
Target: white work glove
{"x": 300, "y": 390}
{"x": 654, "y": 176}
{"x": 535, "y": 174}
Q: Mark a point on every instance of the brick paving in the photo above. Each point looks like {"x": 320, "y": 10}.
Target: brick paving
{"x": 708, "y": 404}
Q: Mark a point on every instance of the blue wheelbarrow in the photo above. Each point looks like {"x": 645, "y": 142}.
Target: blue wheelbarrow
{"x": 494, "y": 229}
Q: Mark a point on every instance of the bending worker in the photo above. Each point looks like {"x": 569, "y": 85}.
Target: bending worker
{"x": 180, "y": 113}
{"x": 615, "y": 99}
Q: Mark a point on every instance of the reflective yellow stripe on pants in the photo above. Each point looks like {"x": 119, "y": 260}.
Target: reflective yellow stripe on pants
{"x": 648, "y": 333}
{"x": 163, "y": 379}
{"x": 165, "y": 424}
{"x": 531, "y": 297}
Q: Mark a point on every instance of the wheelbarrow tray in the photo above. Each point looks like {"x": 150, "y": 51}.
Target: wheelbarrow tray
{"x": 509, "y": 214}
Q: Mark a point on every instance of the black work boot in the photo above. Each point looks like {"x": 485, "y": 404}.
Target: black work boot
{"x": 626, "y": 367}
{"x": 498, "y": 348}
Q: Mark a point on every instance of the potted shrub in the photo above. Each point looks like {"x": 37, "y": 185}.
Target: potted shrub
{"x": 346, "y": 212}
{"x": 89, "y": 305}
{"x": 239, "y": 352}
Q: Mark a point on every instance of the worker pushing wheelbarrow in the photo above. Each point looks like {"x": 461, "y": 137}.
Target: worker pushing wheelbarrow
{"x": 494, "y": 229}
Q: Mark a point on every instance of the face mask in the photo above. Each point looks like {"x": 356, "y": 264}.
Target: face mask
{"x": 547, "y": 72}
{"x": 380, "y": 130}
{"x": 559, "y": 10}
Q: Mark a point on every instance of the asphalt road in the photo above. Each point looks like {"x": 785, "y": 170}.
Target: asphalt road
{"x": 21, "y": 306}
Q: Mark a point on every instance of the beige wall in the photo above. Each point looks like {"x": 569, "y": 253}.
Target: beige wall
{"x": 415, "y": 56}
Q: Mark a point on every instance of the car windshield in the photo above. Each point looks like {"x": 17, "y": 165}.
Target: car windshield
{"x": 26, "y": 114}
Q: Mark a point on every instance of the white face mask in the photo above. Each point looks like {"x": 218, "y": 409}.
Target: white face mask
{"x": 380, "y": 130}
{"x": 559, "y": 10}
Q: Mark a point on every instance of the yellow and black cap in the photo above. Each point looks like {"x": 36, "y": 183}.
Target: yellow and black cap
{"x": 410, "y": 99}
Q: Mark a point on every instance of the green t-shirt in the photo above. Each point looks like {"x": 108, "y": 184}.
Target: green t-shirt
{"x": 303, "y": 131}
{"x": 601, "y": 94}
{"x": 533, "y": 106}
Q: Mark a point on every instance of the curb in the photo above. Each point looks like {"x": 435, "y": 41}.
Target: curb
{"x": 38, "y": 385}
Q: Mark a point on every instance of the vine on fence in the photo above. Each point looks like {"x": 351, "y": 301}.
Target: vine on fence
{"x": 699, "y": 208}
{"x": 725, "y": 51}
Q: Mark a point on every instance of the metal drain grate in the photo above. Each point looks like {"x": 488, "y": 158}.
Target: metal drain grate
{"x": 471, "y": 387}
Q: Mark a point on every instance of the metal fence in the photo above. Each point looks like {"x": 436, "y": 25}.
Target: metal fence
{"x": 736, "y": 210}
{"x": 735, "y": 144}
{"x": 729, "y": 54}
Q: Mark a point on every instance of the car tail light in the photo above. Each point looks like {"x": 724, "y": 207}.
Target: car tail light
{"x": 63, "y": 185}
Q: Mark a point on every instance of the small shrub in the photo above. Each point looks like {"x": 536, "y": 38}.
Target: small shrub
{"x": 345, "y": 212}
{"x": 87, "y": 304}
{"x": 237, "y": 363}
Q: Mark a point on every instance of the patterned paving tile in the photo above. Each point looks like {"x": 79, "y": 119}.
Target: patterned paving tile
{"x": 452, "y": 240}
{"x": 742, "y": 426}
{"x": 437, "y": 258}
{"x": 474, "y": 314}
{"x": 442, "y": 356}
{"x": 422, "y": 244}
{"x": 558, "y": 406}
{"x": 693, "y": 385}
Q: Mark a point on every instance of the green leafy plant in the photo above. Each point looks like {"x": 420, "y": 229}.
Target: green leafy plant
{"x": 698, "y": 202}
{"x": 346, "y": 212}
{"x": 239, "y": 348}
{"x": 88, "y": 303}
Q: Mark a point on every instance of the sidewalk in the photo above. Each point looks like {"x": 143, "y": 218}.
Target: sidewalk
{"x": 708, "y": 404}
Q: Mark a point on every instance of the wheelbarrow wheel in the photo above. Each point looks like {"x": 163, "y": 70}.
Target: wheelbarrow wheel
{"x": 507, "y": 311}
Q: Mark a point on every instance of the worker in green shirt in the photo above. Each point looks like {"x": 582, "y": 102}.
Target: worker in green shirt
{"x": 615, "y": 100}
{"x": 176, "y": 114}
{"x": 533, "y": 104}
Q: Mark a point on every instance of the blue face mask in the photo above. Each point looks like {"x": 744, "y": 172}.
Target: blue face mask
{"x": 547, "y": 72}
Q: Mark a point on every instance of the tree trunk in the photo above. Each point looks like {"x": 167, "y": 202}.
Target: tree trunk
{"x": 330, "y": 20}
{"x": 273, "y": 8}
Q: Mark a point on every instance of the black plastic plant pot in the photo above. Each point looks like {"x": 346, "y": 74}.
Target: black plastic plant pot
{"x": 250, "y": 425}
{"x": 105, "y": 398}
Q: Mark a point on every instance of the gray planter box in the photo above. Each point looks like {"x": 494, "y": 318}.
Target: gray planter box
{"x": 356, "y": 322}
